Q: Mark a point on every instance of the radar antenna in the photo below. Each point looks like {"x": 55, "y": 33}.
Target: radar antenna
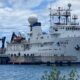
{"x": 75, "y": 17}
{"x": 69, "y": 5}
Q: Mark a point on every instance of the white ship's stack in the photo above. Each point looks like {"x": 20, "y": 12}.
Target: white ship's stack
{"x": 62, "y": 44}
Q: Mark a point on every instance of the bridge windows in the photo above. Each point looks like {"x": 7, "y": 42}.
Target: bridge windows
{"x": 56, "y": 29}
{"x": 72, "y": 28}
{"x": 41, "y": 45}
{"x": 27, "y": 46}
{"x": 11, "y": 55}
{"x": 19, "y": 54}
{"x": 62, "y": 43}
{"x": 27, "y": 54}
{"x": 55, "y": 55}
{"x": 15, "y": 55}
{"x": 47, "y": 44}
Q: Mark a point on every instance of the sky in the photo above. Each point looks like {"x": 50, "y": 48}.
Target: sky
{"x": 14, "y": 14}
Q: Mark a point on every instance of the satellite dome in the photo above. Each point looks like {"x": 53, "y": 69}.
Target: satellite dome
{"x": 33, "y": 19}
{"x": 69, "y": 4}
{"x": 74, "y": 17}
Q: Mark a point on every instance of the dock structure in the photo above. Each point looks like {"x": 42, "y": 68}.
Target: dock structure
{"x": 4, "y": 60}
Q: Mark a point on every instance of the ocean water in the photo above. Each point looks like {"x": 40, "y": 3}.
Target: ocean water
{"x": 29, "y": 72}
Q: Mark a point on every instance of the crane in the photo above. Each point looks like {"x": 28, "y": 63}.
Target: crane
{"x": 16, "y": 38}
{"x": 3, "y": 42}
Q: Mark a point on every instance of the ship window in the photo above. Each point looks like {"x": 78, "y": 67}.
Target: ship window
{"x": 24, "y": 55}
{"x": 32, "y": 54}
{"x": 14, "y": 55}
{"x": 63, "y": 28}
{"x": 48, "y": 43}
{"x": 70, "y": 28}
{"x": 19, "y": 54}
{"x": 27, "y": 46}
{"x": 55, "y": 54}
{"x": 41, "y": 37}
{"x": 56, "y": 29}
{"x": 62, "y": 54}
{"x": 11, "y": 55}
{"x": 67, "y": 28}
{"x": 41, "y": 45}
{"x": 58, "y": 43}
{"x": 27, "y": 54}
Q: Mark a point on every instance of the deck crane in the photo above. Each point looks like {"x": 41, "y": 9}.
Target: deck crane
{"x": 16, "y": 38}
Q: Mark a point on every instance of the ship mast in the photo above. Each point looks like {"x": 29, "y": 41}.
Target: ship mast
{"x": 69, "y": 5}
{"x": 50, "y": 15}
{"x": 60, "y": 13}
{"x": 68, "y": 13}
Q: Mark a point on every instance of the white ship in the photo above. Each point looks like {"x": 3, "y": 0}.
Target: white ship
{"x": 61, "y": 44}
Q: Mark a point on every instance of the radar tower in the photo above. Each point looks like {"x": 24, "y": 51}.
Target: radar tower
{"x": 61, "y": 13}
{"x": 69, "y": 5}
{"x": 50, "y": 8}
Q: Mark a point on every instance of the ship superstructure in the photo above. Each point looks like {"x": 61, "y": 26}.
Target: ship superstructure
{"x": 62, "y": 44}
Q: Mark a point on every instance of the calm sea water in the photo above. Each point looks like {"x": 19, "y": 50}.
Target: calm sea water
{"x": 29, "y": 72}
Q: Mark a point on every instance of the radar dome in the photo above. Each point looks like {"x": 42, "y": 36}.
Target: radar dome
{"x": 74, "y": 17}
{"x": 33, "y": 19}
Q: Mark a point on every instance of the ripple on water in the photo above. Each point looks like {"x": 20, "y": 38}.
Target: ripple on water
{"x": 28, "y": 72}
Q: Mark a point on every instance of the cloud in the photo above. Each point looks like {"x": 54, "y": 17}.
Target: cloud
{"x": 13, "y": 18}
{"x": 17, "y": 15}
{"x": 25, "y": 4}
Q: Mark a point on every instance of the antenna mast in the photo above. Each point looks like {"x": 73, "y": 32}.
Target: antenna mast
{"x": 50, "y": 14}
{"x": 59, "y": 16}
{"x": 69, "y": 5}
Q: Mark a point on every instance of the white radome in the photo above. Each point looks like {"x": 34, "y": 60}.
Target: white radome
{"x": 33, "y": 19}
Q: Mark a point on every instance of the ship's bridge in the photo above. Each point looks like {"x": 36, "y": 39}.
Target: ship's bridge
{"x": 67, "y": 27}
{"x": 64, "y": 31}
